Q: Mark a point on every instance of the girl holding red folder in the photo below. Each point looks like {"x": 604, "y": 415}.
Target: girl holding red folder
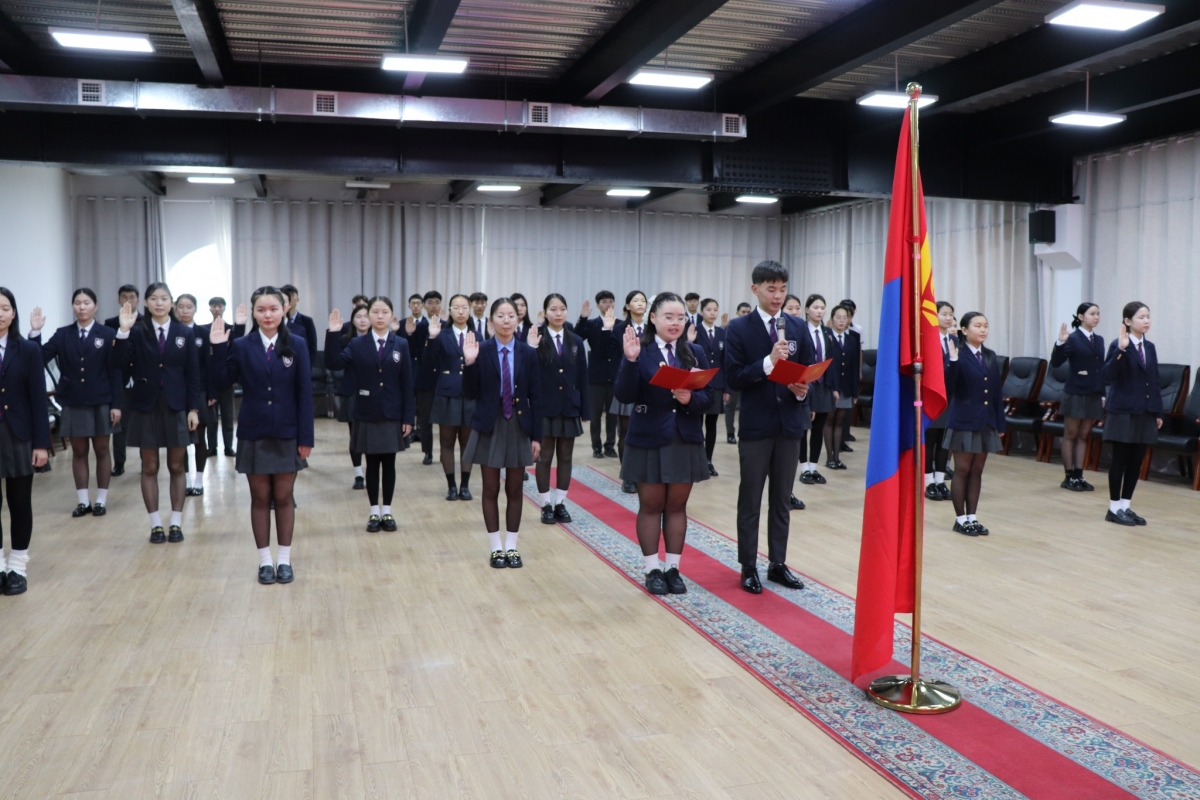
{"x": 665, "y": 451}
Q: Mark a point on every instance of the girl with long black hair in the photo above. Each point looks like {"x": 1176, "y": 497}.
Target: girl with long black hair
{"x": 90, "y": 390}
{"x": 1083, "y": 395}
{"x": 360, "y": 323}
{"x": 822, "y": 393}
{"x": 565, "y": 392}
{"x": 523, "y": 322}
{"x": 451, "y": 410}
{"x": 185, "y": 312}
{"x": 846, "y": 352}
{"x": 936, "y": 455}
{"x": 635, "y": 315}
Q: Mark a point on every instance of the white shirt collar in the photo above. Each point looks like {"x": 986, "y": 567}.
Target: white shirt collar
{"x": 87, "y": 329}
{"x": 1135, "y": 339}
{"x": 267, "y": 342}
{"x": 662, "y": 346}
{"x": 551, "y": 332}
{"x": 4, "y": 340}
{"x": 377, "y": 337}
{"x": 712, "y": 329}
{"x": 461, "y": 331}
{"x": 813, "y": 328}
{"x": 974, "y": 350}
{"x": 765, "y": 317}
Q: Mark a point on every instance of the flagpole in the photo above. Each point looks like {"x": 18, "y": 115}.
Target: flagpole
{"x": 909, "y": 693}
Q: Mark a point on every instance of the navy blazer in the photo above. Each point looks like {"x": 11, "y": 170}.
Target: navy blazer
{"x": 974, "y": 391}
{"x": 304, "y": 326}
{"x": 445, "y": 358}
{"x": 115, "y": 322}
{"x": 847, "y": 363}
{"x": 481, "y": 383}
{"x": 1133, "y": 387}
{"x": 175, "y": 371}
{"x": 769, "y": 410}
{"x": 23, "y": 392}
{"x": 277, "y": 401}
{"x": 384, "y": 380}
{"x": 603, "y": 361}
{"x": 424, "y": 374}
{"x": 564, "y": 377}
{"x": 1086, "y": 359}
{"x": 656, "y": 413}
{"x": 714, "y": 351}
{"x": 89, "y": 371}
{"x": 480, "y": 328}
{"x": 347, "y": 386}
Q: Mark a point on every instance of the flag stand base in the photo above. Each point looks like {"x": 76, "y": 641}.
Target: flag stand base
{"x": 901, "y": 693}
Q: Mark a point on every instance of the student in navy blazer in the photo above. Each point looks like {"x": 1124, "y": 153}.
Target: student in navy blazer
{"x": 602, "y": 371}
{"x": 774, "y": 420}
{"x": 565, "y": 390}
{"x": 710, "y": 337}
{"x": 24, "y": 438}
{"x": 524, "y": 323}
{"x": 90, "y": 390}
{"x": 936, "y": 455}
{"x": 424, "y": 378}
{"x": 1135, "y": 409}
{"x": 973, "y": 385}
{"x": 126, "y": 294}
{"x": 1083, "y": 395}
{"x": 823, "y": 394}
{"x": 359, "y": 324}
{"x": 845, "y": 348}
{"x": 635, "y": 317}
{"x": 665, "y": 452}
{"x": 451, "y": 410}
{"x": 163, "y": 405}
{"x": 384, "y": 408}
{"x": 503, "y": 378}
{"x": 275, "y": 424}
{"x": 185, "y": 313}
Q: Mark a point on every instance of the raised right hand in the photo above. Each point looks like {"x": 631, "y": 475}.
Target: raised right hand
{"x": 128, "y": 317}
{"x": 470, "y": 348}
{"x": 585, "y": 310}
{"x": 335, "y": 321}
{"x": 952, "y": 345}
{"x": 609, "y": 319}
{"x": 410, "y": 326}
{"x": 239, "y": 316}
{"x": 1063, "y": 333}
{"x": 779, "y": 351}
{"x": 1123, "y": 338}
{"x": 632, "y": 345}
{"x": 218, "y": 333}
{"x": 36, "y": 320}
{"x": 725, "y": 320}
{"x": 435, "y": 327}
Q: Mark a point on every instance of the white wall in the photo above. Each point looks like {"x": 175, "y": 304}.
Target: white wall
{"x": 35, "y": 226}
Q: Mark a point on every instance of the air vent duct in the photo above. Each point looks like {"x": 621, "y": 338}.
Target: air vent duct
{"x": 733, "y": 125}
{"x": 91, "y": 93}
{"x": 325, "y": 104}
{"x": 539, "y": 113}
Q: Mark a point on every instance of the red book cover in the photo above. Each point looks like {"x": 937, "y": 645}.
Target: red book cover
{"x": 675, "y": 378}
{"x": 787, "y": 372}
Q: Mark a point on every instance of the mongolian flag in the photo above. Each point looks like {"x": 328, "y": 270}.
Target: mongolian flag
{"x": 887, "y": 563}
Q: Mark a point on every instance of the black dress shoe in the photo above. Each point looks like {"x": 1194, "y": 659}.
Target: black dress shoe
{"x": 849, "y": 437}
{"x": 561, "y": 514}
{"x": 818, "y": 477}
{"x": 16, "y": 584}
{"x": 833, "y": 464}
{"x": 656, "y": 582}
{"x": 158, "y": 535}
{"x": 175, "y": 534}
{"x": 796, "y": 503}
{"x": 932, "y": 493}
{"x": 944, "y": 490}
{"x": 464, "y": 494}
{"x": 597, "y": 452}
{"x": 374, "y": 523}
{"x": 427, "y": 460}
{"x": 731, "y": 439}
{"x": 512, "y": 559}
{"x": 212, "y": 452}
{"x": 965, "y": 530}
{"x": 3, "y": 581}
{"x": 524, "y": 476}
{"x": 82, "y": 510}
{"x": 229, "y": 452}
{"x": 452, "y": 493}
{"x": 266, "y": 574}
{"x": 497, "y": 560}
{"x": 283, "y": 574}
{"x": 359, "y": 482}
{"x": 845, "y": 448}
{"x": 978, "y": 526}
{"x": 750, "y": 580}
{"x": 388, "y": 523}
{"x": 949, "y": 474}
{"x": 674, "y": 581}
{"x": 1072, "y": 485}
{"x": 118, "y": 471}
{"x": 712, "y": 471}
{"x": 1087, "y": 487}
{"x": 1138, "y": 520}
{"x": 807, "y": 478}
{"x": 198, "y": 491}
{"x": 779, "y": 573}
{"x": 629, "y": 487}
{"x": 548, "y": 514}
{"x": 1121, "y": 517}
{"x": 611, "y": 452}
{"x": 98, "y": 510}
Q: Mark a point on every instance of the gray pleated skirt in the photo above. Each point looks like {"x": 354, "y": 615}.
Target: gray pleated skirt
{"x": 16, "y": 455}
{"x": 820, "y": 398}
{"x": 560, "y": 427}
{"x": 717, "y": 406}
{"x": 162, "y": 427}
{"x": 1082, "y": 406}
{"x": 345, "y": 410}
{"x": 984, "y": 441}
{"x": 452, "y": 411}
{"x": 678, "y": 462}
{"x": 621, "y": 409}
{"x": 84, "y": 422}
{"x": 506, "y": 447}
{"x": 268, "y": 457}
{"x": 1131, "y": 428}
{"x": 377, "y": 438}
{"x": 845, "y": 402}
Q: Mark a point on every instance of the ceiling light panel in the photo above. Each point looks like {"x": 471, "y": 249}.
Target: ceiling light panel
{"x": 1109, "y": 15}
{"x": 110, "y": 41}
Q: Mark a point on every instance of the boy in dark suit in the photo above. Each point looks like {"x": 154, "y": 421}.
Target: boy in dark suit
{"x": 126, "y": 294}
{"x": 300, "y": 324}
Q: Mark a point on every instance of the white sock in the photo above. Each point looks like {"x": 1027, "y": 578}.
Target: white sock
{"x": 939, "y": 477}
{"x": 188, "y": 479}
{"x": 652, "y": 563}
{"x": 672, "y": 560}
{"x": 962, "y": 520}
{"x": 102, "y": 496}
{"x": 17, "y": 559}
{"x": 3, "y": 561}
{"x": 1124, "y": 504}
{"x": 562, "y": 496}
{"x": 155, "y": 519}
{"x": 82, "y": 494}
{"x": 510, "y": 540}
{"x": 197, "y": 480}
{"x": 177, "y": 518}
{"x": 285, "y": 554}
{"x": 386, "y": 510}
{"x": 929, "y": 478}
{"x": 358, "y": 472}
{"x": 264, "y": 557}
{"x": 545, "y": 498}
{"x": 972, "y": 518}
{"x": 494, "y": 538}
{"x": 1114, "y": 506}
{"x": 375, "y": 510}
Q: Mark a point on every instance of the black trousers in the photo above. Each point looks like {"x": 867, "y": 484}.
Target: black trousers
{"x": 731, "y": 410}
{"x": 19, "y": 494}
{"x": 424, "y": 409}
{"x": 224, "y": 408}
{"x": 769, "y": 463}
{"x": 602, "y": 398}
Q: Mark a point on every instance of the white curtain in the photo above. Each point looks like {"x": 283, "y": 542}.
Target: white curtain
{"x": 222, "y": 213}
{"x": 117, "y": 240}
{"x": 443, "y": 250}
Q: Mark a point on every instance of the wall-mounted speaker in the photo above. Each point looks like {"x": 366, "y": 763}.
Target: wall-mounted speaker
{"x": 1041, "y": 227}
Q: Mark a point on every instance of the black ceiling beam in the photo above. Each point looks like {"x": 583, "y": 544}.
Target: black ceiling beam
{"x": 865, "y": 34}
{"x": 16, "y": 49}
{"x": 554, "y": 192}
{"x": 800, "y": 204}
{"x": 152, "y": 181}
{"x": 426, "y": 29}
{"x": 201, "y": 24}
{"x": 259, "y": 182}
{"x": 722, "y": 201}
{"x": 460, "y": 189}
{"x": 656, "y": 194}
{"x": 646, "y": 30}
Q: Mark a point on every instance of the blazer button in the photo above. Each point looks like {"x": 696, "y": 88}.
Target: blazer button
{"x": 268, "y": 402}
{"x": 84, "y": 380}
{"x": 985, "y": 402}
{"x": 985, "y": 391}
{"x": 160, "y": 366}
{"x": 560, "y": 388}
{"x": 518, "y": 413}
{"x": 381, "y": 383}
{"x": 269, "y": 388}
{"x": 560, "y": 372}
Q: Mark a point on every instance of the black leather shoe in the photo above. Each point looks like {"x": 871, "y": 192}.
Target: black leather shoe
{"x": 1072, "y": 485}
{"x": 1137, "y": 520}
{"x": 548, "y": 514}
{"x": 978, "y": 526}
{"x": 464, "y": 494}
{"x": 374, "y": 523}
{"x": 524, "y": 476}
{"x": 712, "y": 471}
{"x": 175, "y": 534}
{"x": 674, "y": 581}
{"x": 266, "y": 574}
{"x": 452, "y": 493}
{"x": 561, "y": 514}
{"x": 118, "y": 471}
{"x": 1119, "y": 517}
{"x": 229, "y": 452}
{"x": 750, "y": 580}
{"x": 949, "y": 474}
{"x": 965, "y": 530}
{"x": 1087, "y": 487}
{"x": 779, "y": 573}
{"x": 98, "y": 510}
{"x": 198, "y": 491}
{"x": 3, "y": 581}
{"x": 427, "y": 460}
{"x": 512, "y": 559}
{"x": 16, "y": 584}
{"x": 597, "y": 452}
{"x": 807, "y": 478}
{"x": 212, "y": 452}
{"x": 796, "y": 503}
{"x": 497, "y": 561}
{"x": 846, "y": 448}
{"x": 849, "y": 437}
{"x": 628, "y": 487}
{"x": 944, "y": 490}
{"x": 818, "y": 477}
{"x": 189, "y": 492}
{"x": 611, "y": 452}
{"x": 731, "y": 439}
{"x": 388, "y": 523}
{"x": 656, "y": 582}
{"x": 932, "y": 493}
{"x": 359, "y": 482}
{"x": 158, "y": 535}
{"x": 284, "y": 574}
{"x": 82, "y": 510}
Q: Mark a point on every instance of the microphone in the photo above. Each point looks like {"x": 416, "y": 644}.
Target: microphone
{"x": 781, "y": 327}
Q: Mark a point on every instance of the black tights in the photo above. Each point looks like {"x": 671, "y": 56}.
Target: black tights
{"x": 384, "y": 463}
{"x": 355, "y": 458}
{"x": 623, "y": 428}
{"x": 710, "y": 434}
{"x": 491, "y": 498}
{"x": 79, "y": 461}
{"x": 263, "y": 490}
{"x": 176, "y": 464}
{"x": 936, "y": 455}
{"x": 662, "y": 506}
{"x": 20, "y": 511}
{"x": 813, "y": 440}
{"x": 564, "y": 448}
{"x": 449, "y": 435}
{"x": 968, "y": 481}
{"x": 833, "y": 434}
{"x": 1076, "y": 433}
{"x": 1124, "y": 470}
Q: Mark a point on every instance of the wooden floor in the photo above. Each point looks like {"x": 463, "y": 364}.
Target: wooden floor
{"x": 401, "y": 665}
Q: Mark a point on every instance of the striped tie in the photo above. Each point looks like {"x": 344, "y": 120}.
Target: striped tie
{"x": 162, "y": 340}
{"x": 270, "y": 351}
{"x": 671, "y": 362}
{"x": 506, "y": 385}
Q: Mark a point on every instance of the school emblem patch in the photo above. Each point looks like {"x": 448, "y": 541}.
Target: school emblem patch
{"x": 396, "y": 356}
{"x": 180, "y": 342}
{"x": 199, "y": 342}
{"x": 99, "y": 343}
{"x": 791, "y": 348}
{"x": 287, "y": 361}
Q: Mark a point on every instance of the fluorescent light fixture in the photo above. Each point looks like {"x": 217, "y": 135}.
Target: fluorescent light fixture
{"x": 498, "y": 187}
{"x": 670, "y": 79}
{"x": 884, "y": 99}
{"x": 102, "y": 40}
{"x": 1109, "y": 15}
{"x": 628, "y": 192}
{"x": 399, "y": 62}
{"x": 224, "y": 180}
{"x": 1088, "y": 119}
{"x": 757, "y": 198}
{"x": 368, "y": 185}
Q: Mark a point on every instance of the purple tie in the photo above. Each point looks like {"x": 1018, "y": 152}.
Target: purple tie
{"x": 671, "y": 356}
{"x": 82, "y": 335}
{"x": 270, "y": 351}
{"x": 506, "y": 387}
{"x": 460, "y": 340}
{"x": 558, "y": 342}
{"x": 820, "y": 346}
{"x": 379, "y": 352}
{"x": 1141, "y": 354}
{"x": 712, "y": 337}
{"x": 162, "y": 340}
{"x": 774, "y": 331}
{"x": 638, "y": 329}
{"x": 979, "y": 356}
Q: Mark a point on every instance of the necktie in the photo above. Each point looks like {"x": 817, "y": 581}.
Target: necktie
{"x": 2, "y": 372}
{"x": 506, "y": 387}
{"x": 671, "y": 357}
{"x": 638, "y": 329}
{"x": 162, "y": 339}
{"x": 558, "y": 342}
{"x": 979, "y": 357}
{"x": 774, "y": 330}
{"x": 712, "y": 336}
{"x": 1141, "y": 354}
{"x": 820, "y": 345}
{"x": 946, "y": 345}
{"x": 460, "y": 341}
{"x": 379, "y": 352}
{"x": 82, "y": 335}
{"x": 840, "y": 342}
{"x": 270, "y": 351}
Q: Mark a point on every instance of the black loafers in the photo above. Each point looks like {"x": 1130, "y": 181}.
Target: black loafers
{"x": 807, "y": 477}
{"x": 374, "y": 523}
{"x": 796, "y": 503}
{"x": 712, "y": 471}
{"x": 846, "y": 448}
{"x": 628, "y": 487}
{"x": 1120, "y": 517}
{"x": 548, "y": 514}
{"x": 978, "y": 526}
{"x": 98, "y": 510}
{"x": 158, "y": 535}
{"x": 388, "y": 523}
{"x": 675, "y": 584}
{"x": 779, "y": 573}
{"x": 229, "y": 452}
{"x": 944, "y": 490}
{"x": 1136, "y": 519}
{"x": 561, "y": 514}
{"x": 175, "y": 534}
{"x": 452, "y": 493}
{"x": 118, "y": 471}
{"x": 498, "y": 561}
{"x": 597, "y": 452}
{"x": 284, "y": 574}
{"x": 656, "y": 582}
{"x": 82, "y": 510}
{"x": 360, "y": 483}
{"x": 266, "y": 574}
{"x": 611, "y": 452}
{"x": 965, "y": 530}
{"x": 512, "y": 559}
{"x": 818, "y": 477}
{"x": 16, "y": 584}
{"x": 427, "y": 460}
{"x": 932, "y": 493}
{"x": 731, "y": 439}
{"x": 464, "y": 493}
{"x": 750, "y": 582}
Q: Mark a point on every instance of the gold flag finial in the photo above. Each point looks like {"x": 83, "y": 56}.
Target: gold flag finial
{"x": 914, "y": 89}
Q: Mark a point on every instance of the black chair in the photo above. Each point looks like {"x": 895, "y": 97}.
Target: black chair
{"x": 1019, "y": 393}
{"x": 1172, "y": 381}
{"x": 866, "y": 389}
{"x": 1181, "y": 435}
{"x": 1052, "y": 421}
{"x": 1004, "y": 365}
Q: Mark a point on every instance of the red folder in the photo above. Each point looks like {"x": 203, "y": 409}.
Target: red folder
{"x": 675, "y": 378}
{"x": 787, "y": 372}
